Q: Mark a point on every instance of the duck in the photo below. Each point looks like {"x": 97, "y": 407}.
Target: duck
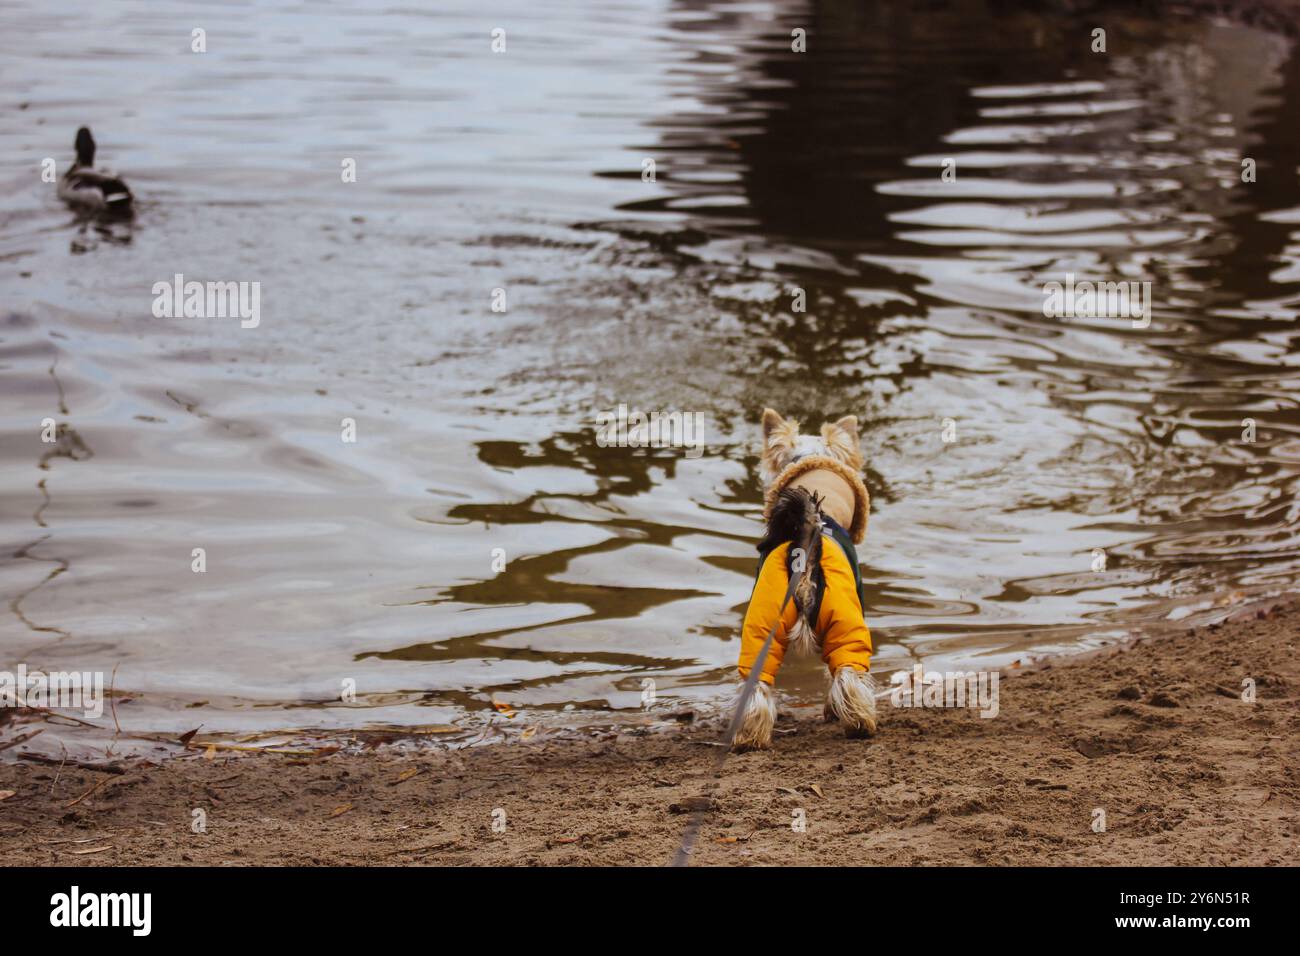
{"x": 90, "y": 189}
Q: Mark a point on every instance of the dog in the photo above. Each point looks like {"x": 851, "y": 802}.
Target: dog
{"x": 816, "y": 507}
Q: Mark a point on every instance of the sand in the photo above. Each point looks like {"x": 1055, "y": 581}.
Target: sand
{"x": 1154, "y": 733}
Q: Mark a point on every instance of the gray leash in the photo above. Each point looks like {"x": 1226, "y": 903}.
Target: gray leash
{"x": 683, "y": 856}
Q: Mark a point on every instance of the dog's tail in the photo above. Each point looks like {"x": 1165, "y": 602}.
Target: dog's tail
{"x": 797, "y": 518}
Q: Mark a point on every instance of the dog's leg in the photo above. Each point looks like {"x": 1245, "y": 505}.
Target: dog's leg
{"x": 755, "y": 731}
{"x": 851, "y": 700}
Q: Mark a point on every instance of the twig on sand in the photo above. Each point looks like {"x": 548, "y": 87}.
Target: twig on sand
{"x": 88, "y": 793}
{"x": 58, "y": 774}
{"x": 22, "y": 739}
{"x": 428, "y": 848}
{"x": 112, "y": 700}
{"x": 51, "y": 715}
{"x": 83, "y": 764}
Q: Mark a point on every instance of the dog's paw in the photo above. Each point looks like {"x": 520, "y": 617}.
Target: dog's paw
{"x": 851, "y": 700}
{"x": 755, "y": 730}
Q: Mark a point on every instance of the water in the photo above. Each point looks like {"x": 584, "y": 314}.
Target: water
{"x": 372, "y": 562}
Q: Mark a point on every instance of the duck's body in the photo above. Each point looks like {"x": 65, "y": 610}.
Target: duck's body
{"x": 91, "y": 189}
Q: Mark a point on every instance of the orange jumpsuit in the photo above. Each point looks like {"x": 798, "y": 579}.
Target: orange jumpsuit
{"x": 845, "y": 639}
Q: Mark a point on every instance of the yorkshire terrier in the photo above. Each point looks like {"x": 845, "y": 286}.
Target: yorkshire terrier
{"x": 814, "y": 492}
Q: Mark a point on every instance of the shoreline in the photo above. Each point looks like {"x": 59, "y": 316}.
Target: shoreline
{"x": 1151, "y": 732}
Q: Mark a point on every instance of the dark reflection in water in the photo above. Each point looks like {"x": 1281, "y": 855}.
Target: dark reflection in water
{"x": 477, "y": 544}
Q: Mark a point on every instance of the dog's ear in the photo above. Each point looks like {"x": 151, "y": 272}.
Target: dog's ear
{"x": 772, "y": 421}
{"x": 849, "y": 425}
{"x": 841, "y": 440}
{"x": 779, "y": 437}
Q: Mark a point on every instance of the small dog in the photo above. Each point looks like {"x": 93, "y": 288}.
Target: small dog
{"x": 813, "y": 492}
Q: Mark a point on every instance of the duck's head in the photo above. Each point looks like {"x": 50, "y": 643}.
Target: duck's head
{"x": 85, "y": 147}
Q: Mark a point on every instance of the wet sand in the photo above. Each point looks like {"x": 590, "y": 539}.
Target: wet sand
{"x": 1153, "y": 732}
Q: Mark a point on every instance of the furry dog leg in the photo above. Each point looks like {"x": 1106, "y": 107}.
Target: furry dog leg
{"x": 851, "y": 700}
{"x": 755, "y": 731}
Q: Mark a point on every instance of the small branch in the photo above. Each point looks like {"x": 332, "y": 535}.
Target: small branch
{"x": 112, "y": 700}
{"x": 88, "y": 793}
{"x": 83, "y": 764}
{"x": 21, "y": 739}
{"x": 58, "y": 774}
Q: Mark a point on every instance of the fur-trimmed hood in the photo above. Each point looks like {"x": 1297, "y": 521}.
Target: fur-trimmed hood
{"x": 861, "y": 500}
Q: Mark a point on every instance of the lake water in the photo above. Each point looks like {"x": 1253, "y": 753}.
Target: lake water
{"x": 372, "y": 561}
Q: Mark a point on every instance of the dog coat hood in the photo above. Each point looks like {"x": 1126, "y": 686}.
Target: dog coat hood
{"x": 861, "y": 500}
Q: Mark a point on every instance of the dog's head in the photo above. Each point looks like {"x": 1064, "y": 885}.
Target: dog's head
{"x": 783, "y": 445}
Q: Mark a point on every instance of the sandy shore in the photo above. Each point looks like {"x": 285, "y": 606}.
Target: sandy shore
{"x": 1153, "y": 733}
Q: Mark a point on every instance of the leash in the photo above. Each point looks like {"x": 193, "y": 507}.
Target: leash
{"x": 683, "y": 856}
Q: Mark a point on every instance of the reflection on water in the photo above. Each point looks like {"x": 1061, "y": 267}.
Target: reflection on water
{"x": 476, "y": 544}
